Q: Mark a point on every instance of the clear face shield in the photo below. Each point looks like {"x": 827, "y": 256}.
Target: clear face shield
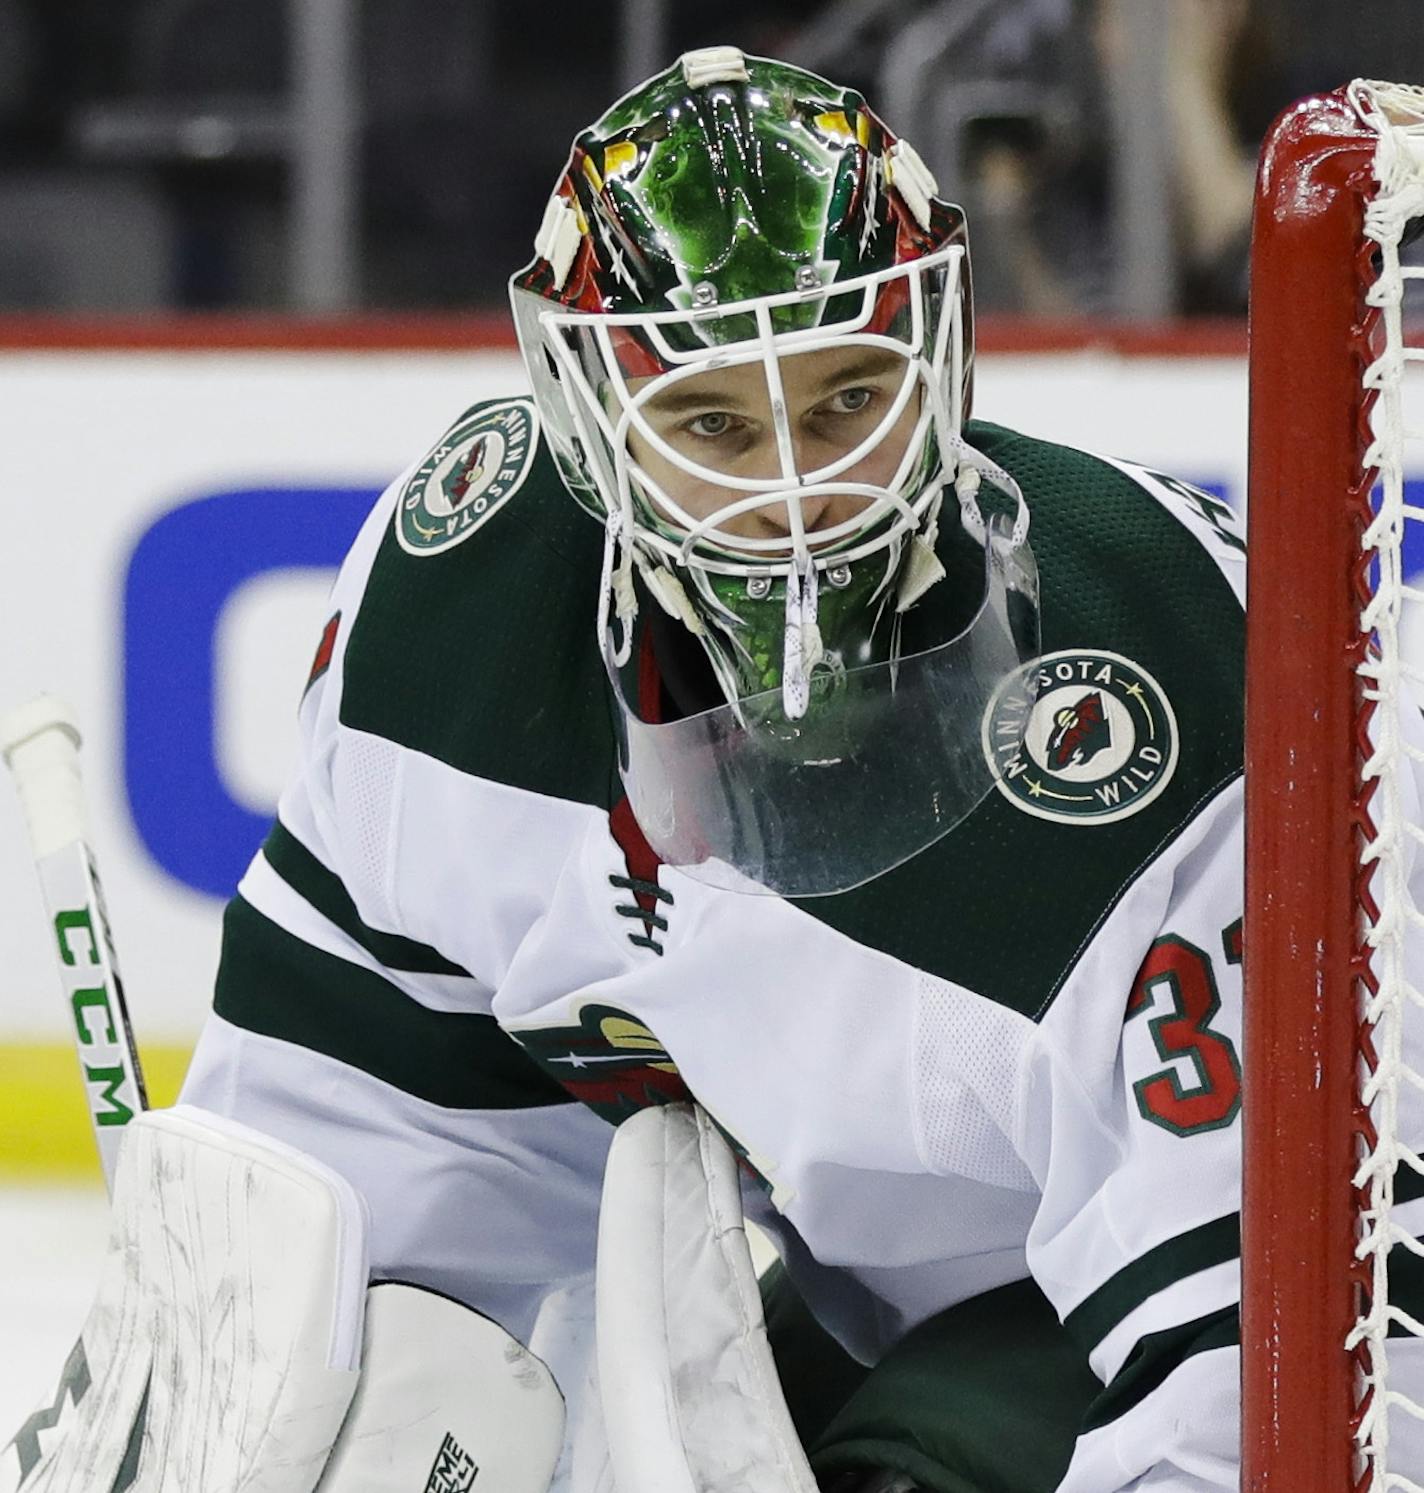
{"x": 886, "y": 760}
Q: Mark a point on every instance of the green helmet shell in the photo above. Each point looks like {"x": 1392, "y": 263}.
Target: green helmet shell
{"x": 731, "y": 190}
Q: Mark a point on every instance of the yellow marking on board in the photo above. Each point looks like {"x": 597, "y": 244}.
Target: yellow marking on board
{"x": 45, "y": 1132}
{"x": 591, "y": 171}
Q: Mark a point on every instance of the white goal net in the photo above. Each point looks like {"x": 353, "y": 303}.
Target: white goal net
{"x": 1390, "y": 1178}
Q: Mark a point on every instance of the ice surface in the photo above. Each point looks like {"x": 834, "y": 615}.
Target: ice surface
{"x": 51, "y": 1242}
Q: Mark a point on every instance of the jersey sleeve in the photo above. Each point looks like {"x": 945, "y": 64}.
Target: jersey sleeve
{"x": 1139, "y": 1083}
{"x": 1137, "y": 1241}
{"x": 345, "y": 1023}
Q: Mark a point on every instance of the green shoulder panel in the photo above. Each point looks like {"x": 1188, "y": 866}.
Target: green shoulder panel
{"x": 474, "y": 642}
{"x": 1149, "y": 640}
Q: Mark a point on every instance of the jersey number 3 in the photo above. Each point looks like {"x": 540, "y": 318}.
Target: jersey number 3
{"x": 1178, "y": 975}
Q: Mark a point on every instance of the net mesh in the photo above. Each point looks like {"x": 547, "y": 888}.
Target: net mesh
{"x": 1390, "y": 1177}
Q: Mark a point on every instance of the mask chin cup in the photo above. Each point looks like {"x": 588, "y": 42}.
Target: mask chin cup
{"x": 886, "y": 759}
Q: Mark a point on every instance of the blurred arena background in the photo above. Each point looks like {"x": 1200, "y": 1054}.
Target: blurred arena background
{"x": 253, "y": 257}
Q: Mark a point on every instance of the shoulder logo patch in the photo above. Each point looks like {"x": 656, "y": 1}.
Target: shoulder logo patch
{"x": 610, "y": 1061}
{"x": 1081, "y": 736}
{"x": 474, "y": 470}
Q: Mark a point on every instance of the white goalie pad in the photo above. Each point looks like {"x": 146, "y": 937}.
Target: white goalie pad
{"x": 222, "y": 1348}
{"x": 691, "y": 1402}
{"x": 446, "y": 1397}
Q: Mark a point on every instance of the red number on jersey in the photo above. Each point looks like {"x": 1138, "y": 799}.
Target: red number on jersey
{"x": 1181, "y": 973}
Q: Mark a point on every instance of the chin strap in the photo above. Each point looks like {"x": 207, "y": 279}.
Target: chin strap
{"x": 971, "y": 468}
{"x": 922, "y": 567}
{"x": 671, "y": 595}
{"x": 967, "y": 482}
{"x": 804, "y": 648}
{"x": 616, "y": 594}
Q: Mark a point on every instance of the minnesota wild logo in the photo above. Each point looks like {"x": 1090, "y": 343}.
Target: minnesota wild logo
{"x": 482, "y": 462}
{"x": 610, "y": 1061}
{"x": 615, "y": 1065}
{"x": 1082, "y": 736}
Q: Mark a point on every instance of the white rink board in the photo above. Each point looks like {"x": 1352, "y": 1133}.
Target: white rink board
{"x": 96, "y": 447}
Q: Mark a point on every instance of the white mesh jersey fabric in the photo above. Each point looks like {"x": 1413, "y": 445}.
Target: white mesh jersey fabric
{"x": 967, "y": 1057}
{"x": 366, "y": 771}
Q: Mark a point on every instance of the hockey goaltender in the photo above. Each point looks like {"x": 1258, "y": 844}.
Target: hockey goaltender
{"x": 736, "y": 748}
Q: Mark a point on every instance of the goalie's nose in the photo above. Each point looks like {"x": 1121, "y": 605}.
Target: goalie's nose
{"x": 824, "y": 511}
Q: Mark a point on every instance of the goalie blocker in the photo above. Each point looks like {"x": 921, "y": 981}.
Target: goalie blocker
{"x": 234, "y": 1343}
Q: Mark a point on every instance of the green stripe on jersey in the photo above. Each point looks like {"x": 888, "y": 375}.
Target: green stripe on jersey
{"x": 1175, "y": 1259}
{"x": 1159, "y": 1354}
{"x": 1406, "y": 1286}
{"x": 1408, "y": 1185}
{"x": 1156, "y": 1356}
{"x": 311, "y": 880}
{"x": 1163, "y": 1265}
{"x": 272, "y": 983}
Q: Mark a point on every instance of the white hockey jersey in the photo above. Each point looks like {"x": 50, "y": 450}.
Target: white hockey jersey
{"x": 456, "y": 960}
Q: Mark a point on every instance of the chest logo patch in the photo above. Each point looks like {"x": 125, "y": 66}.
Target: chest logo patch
{"x": 467, "y": 478}
{"x": 1081, "y": 736}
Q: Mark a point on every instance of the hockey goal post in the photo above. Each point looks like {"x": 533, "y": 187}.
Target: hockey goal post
{"x": 1333, "y": 1023}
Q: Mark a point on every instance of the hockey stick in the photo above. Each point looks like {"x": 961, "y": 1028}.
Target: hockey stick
{"x": 40, "y": 743}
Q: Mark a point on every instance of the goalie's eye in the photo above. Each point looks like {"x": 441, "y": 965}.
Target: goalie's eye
{"x": 713, "y": 424}
{"x": 851, "y": 401}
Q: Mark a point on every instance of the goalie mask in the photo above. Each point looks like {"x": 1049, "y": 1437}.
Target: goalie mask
{"x": 747, "y": 326}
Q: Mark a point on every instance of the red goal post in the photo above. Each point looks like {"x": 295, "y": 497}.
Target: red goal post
{"x": 1331, "y": 1077}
